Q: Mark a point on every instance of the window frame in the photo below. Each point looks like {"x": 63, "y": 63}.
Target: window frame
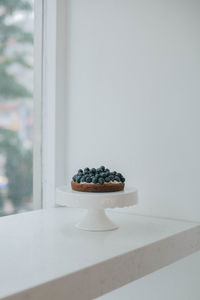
{"x": 38, "y": 68}
{"x": 49, "y": 100}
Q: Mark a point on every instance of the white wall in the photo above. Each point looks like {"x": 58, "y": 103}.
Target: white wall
{"x": 133, "y": 98}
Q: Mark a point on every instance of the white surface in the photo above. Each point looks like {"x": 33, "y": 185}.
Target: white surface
{"x": 175, "y": 282}
{"x": 133, "y": 98}
{"x": 96, "y": 219}
{"x": 41, "y": 252}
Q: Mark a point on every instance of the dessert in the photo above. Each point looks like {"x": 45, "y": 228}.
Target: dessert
{"x": 98, "y": 180}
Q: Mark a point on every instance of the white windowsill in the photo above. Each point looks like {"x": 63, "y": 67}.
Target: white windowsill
{"x": 43, "y": 256}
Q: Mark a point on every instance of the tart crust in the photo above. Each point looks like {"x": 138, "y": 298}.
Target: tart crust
{"x": 97, "y": 188}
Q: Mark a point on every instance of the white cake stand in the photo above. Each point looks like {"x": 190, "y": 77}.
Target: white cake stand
{"x": 95, "y": 203}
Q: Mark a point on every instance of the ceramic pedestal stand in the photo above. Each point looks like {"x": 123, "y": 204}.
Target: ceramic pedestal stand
{"x": 96, "y": 218}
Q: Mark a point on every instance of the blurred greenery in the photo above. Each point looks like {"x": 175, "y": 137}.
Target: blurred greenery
{"x": 1, "y": 201}
{"x": 10, "y": 87}
{"x": 18, "y": 165}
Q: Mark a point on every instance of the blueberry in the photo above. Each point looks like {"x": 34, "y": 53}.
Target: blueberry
{"x": 74, "y": 178}
{"x": 102, "y": 168}
{"x": 95, "y": 180}
{"x": 103, "y": 175}
{"x": 80, "y": 171}
{"x": 107, "y": 179}
{"x": 117, "y": 178}
{"x": 86, "y": 169}
{"x": 83, "y": 179}
{"x": 99, "y": 170}
{"x": 119, "y": 175}
{"x": 88, "y": 179}
{"x": 78, "y": 179}
{"x": 114, "y": 173}
{"x": 93, "y": 170}
{"x": 107, "y": 170}
{"x": 101, "y": 180}
{"x": 122, "y": 179}
{"x": 111, "y": 177}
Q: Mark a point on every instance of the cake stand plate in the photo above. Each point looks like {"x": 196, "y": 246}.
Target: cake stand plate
{"x": 96, "y": 218}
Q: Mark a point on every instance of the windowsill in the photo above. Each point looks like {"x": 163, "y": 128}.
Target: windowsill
{"x": 43, "y": 256}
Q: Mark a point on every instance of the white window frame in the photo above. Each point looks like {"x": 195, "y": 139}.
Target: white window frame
{"x": 50, "y": 96}
{"x": 37, "y": 145}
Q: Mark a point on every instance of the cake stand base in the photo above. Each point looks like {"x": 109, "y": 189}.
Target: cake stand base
{"x": 95, "y": 203}
{"x": 96, "y": 220}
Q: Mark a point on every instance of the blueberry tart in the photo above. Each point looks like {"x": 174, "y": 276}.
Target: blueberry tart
{"x": 100, "y": 180}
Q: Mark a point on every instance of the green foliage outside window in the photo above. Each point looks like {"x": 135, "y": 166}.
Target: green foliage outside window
{"x": 18, "y": 165}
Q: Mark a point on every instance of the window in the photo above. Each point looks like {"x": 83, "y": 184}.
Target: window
{"x": 32, "y": 103}
{"x": 16, "y": 106}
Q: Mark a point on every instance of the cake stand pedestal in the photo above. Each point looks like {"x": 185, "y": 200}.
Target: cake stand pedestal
{"x": 96, "y": 218}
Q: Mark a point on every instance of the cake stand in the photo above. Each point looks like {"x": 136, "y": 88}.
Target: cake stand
{"x": 95, "y": 203}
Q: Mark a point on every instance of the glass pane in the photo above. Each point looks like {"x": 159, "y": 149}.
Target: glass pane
{"x": 16, "y": 105}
